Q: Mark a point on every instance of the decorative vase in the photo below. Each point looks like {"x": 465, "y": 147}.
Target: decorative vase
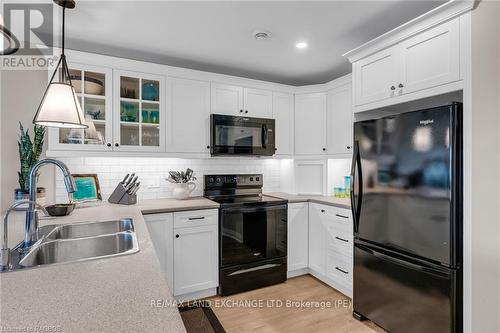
{"x": 22, "y": 195}
{"x": 183, "y": 190}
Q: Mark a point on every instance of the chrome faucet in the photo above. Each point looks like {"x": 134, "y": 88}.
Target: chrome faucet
{"x": 5, "y": 251}
{"x": 31, "y": 226}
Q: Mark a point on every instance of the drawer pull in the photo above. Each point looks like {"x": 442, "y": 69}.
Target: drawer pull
{"x": 342, "y": 216}
{"x": 322, "y": 210}
{"x": 196, "y": 218}
{"x": 341, "y": 270}
{"x": 341, "y": 239}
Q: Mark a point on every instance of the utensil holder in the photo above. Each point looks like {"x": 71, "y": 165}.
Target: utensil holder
{"x": 120, "y": 196}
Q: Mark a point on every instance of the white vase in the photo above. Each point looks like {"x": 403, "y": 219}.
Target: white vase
{"x": 183, "y": 190}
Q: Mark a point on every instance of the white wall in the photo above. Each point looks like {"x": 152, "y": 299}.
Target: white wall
{"x": 486, "y": 167}
{"x": 21, "y": 92}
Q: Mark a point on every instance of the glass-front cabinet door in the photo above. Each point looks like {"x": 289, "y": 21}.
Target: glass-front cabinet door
{"x": 139, "y": 112}
{"x": 93, "y": 89}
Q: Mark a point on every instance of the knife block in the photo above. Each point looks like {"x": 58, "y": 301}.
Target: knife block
{"x": 120, "y": 196}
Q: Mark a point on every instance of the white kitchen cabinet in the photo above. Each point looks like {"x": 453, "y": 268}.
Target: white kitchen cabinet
{"x": 310, "y": 124}
{"x": 161, "y": 229}
{"x": 283, "y": 113}
{"x": 196, "y": 242}
{"x": 376, "y": 77}
{"x": 235, "y": 100}
{"x": 431, "y": 58}
{"x": 331, "y": 246}
{"x": 339, "y": 249}
{"x": 226, "y": 99}
{"x": 298, "y": 234}
{"x": 139, "y": 112}
{"x": 425, "y": 60}
{"x": 186, "y": 244}
{"x": 317, "y": 248}
{"x": 258, "y": 103}
{"x": 339, "y": 120}
{"x": 195, "y": 259}
{"x": 188, "y": 115}
{"x": 93, "y": 87}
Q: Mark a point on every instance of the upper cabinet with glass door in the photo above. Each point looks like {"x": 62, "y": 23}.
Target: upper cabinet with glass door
{"x": 139, "y": 112}
{"x": 93, "y": 89}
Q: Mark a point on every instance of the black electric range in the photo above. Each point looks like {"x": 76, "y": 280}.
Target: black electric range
{"x": 252, "y": 233}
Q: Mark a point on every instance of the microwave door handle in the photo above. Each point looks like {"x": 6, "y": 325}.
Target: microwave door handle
{"x": 264, "y": 136}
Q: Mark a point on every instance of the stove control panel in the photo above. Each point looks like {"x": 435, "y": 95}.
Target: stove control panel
{"x": 233, "y": 181}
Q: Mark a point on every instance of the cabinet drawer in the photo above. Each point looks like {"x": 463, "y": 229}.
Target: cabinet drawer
{"x": 195, "y": 218}
{"x": 340, "y": 242}
{"x": 339, "y": 268}
{"x": 340, "y": 219}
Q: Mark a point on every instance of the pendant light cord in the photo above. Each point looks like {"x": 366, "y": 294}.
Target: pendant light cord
{"x": 63, "y": 27}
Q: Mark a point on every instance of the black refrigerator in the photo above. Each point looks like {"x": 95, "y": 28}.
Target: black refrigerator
{"x": 406, "y": 197}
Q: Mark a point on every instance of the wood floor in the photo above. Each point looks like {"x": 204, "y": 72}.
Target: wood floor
{"x": 237, "y": 313}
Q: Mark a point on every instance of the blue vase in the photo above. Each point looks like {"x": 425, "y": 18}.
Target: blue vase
{"x": 150, "y": 91}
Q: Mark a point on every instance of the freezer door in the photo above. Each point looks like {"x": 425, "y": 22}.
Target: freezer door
{"x": 404, "y": 296}
{"x": 405, "y": 172}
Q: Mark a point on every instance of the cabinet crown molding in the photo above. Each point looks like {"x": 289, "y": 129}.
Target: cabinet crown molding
{"x": 445, "y": 12}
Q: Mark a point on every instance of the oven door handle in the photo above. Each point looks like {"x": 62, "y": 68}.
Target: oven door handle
{"x": 253, "y": 209}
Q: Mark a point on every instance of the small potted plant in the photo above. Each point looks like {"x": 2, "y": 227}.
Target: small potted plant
{"x": 183, "y": 183}
{"x": 29, "y": 154}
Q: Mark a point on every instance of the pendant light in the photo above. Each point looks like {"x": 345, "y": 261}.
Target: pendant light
{"x": 10, "y": 44}
{"x": 59, "y": 106}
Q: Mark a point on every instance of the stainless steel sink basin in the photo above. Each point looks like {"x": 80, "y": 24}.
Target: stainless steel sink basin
{"x": 70, "y": 250}
{"x": 90, "y": 229}
{"x": 78, "y": 242}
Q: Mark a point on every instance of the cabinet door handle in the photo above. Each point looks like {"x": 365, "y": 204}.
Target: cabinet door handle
{"x": 341, "y": 270}
{"x": 177, "y": 236}
{"x": 109, "y": 145}
{"x": 241, "y": 111}
{"x": 348, "y": 147}
{"x": 208, "y": 147}
{"x": 400, "y": 85}
{"x": 196, "y": 218}
{"x": 393, "y": 88}
{"x": 342, "y": 216}
{"x": 324, "y": 149}
{"x": 341, "y": 239}
{"x": 246, "y": 111}
{"x": 117, "y": 145}
{"x": 322, "y": 210}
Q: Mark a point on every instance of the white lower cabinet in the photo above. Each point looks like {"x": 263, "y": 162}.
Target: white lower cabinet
{"x": 160, "y": 227}
{"x": 317, "y": 249}
{"x": 195, "y": 259}
{"x": 187, "y": 246}
{"x": 298, "y": 243}
{"x": 331, "y": 246}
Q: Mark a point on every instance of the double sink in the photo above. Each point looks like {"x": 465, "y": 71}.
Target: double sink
{"x": 81, "y": 241}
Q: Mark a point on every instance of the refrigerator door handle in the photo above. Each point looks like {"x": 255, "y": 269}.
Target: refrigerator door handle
{"x": 356, "y": 206}
{"x": 401, "y": 262}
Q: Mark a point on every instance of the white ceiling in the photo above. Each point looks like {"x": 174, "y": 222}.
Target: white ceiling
{"x": 217, "y": 36}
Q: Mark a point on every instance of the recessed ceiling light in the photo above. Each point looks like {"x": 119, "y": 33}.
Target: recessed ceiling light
{"x": 301, "y": 45}
{"x": 261, "y": 35}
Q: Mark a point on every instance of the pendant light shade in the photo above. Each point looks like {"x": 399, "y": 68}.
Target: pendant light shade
{"x": 59, "y": 106}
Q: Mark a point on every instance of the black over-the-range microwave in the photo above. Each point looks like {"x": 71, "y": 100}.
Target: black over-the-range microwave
{"x": 240, "y": 135}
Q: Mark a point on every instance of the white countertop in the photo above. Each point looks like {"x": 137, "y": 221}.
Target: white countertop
{"x": 104, "y": 295}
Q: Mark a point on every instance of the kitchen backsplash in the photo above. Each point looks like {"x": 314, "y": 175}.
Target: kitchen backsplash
{"x": 153, "y": 171}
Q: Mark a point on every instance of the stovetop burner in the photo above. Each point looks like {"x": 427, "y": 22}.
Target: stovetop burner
{"x": 238, "y": 190}
{"x": 248, "y": 200}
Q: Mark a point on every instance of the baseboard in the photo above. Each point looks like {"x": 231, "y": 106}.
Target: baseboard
{"x": 297, "y": 272}
{"x": 196, "y": 295}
